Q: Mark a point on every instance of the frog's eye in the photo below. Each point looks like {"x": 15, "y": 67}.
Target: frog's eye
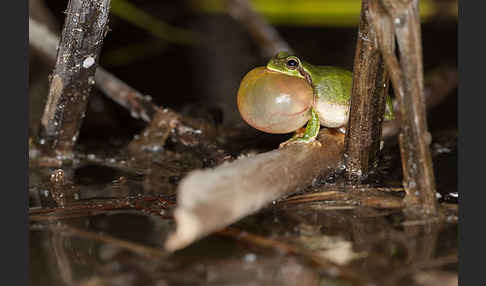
{"x": 292, "y": 64}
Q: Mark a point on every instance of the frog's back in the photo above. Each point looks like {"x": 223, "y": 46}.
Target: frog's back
{"x": 333, "y": 88}
{"x": 332, "y": 84}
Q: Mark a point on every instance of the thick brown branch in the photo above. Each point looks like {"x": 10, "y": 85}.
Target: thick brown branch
{"x": 81, "y": 41}
{"x": 212, "y": 199}
{"x": 407, "y": 79}
{"x": 367, "y": 102}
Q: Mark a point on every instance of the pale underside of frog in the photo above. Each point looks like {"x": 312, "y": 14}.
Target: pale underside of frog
{"x": 287, "y": 93}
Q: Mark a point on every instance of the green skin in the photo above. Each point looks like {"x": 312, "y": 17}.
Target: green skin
{"x": 330, "y": 84}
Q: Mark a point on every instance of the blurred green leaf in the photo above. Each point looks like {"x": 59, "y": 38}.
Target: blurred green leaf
{"x": 139, "y": 18}
{"x": 320, "y": 12}
{"x": 129, "y": 54}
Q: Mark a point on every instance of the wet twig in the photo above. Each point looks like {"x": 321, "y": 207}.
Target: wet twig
{"x": 71, "y": 82}
{"x": 212, "y": 199}
{"x": 187, "y": 131}
{"x": 140, "y": 106}
{"x": 265, "y": 34}
{"x": 407, "y": 79}
{"x": 39, "y": 68}
{"x": 366, "y": 197}
{"x": 368, "y": 98}
{"x": 94, "y": 207}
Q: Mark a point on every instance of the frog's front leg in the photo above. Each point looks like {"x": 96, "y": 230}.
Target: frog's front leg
{"x": 310, "y": 133}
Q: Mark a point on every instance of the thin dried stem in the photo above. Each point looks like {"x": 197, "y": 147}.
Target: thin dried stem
{"x": 368, "y": 100}
{"x": 366, "y": 197}
{"x": 140, "y": 106}
{"x": 71, "y": 82}
{"x": 94, "y": 207}
{"x": 407, "y": 79}
{"x": 187, "y": 131}
{"x": 265, "y": 34}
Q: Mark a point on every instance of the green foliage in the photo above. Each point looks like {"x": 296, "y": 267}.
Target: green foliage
{"x": 319, "y": 12}
{"x": 139, "y": 18}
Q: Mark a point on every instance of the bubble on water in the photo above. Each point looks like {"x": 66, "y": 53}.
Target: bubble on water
{"x": 250, "y": 257}
{"x": 88, "y": 62}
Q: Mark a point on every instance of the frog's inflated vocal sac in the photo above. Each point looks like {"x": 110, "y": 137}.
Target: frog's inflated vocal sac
{"x": 288, "y": 92}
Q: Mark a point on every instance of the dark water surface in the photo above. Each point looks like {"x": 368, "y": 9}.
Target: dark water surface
{"x": 117, "y": 215}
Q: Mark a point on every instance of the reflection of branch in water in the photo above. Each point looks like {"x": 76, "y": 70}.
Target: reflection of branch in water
{"x": 62, "y": 258}
{"x": 421, "y": 248}
{"x": 140, "y": 249}
{"x": 323, "y": 264}
{"x": 431, "y": 263}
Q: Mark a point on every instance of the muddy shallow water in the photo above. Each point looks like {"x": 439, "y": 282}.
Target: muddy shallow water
{"x": 117, "y": 213}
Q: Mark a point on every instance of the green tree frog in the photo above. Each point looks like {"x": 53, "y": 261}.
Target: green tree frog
{"x": 289, "y": 92}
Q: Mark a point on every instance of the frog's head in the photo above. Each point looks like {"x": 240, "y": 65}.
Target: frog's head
{"x": 286, "y": 64}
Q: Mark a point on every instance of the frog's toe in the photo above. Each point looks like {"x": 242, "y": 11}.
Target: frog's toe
{"x": 300, "y": 141}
